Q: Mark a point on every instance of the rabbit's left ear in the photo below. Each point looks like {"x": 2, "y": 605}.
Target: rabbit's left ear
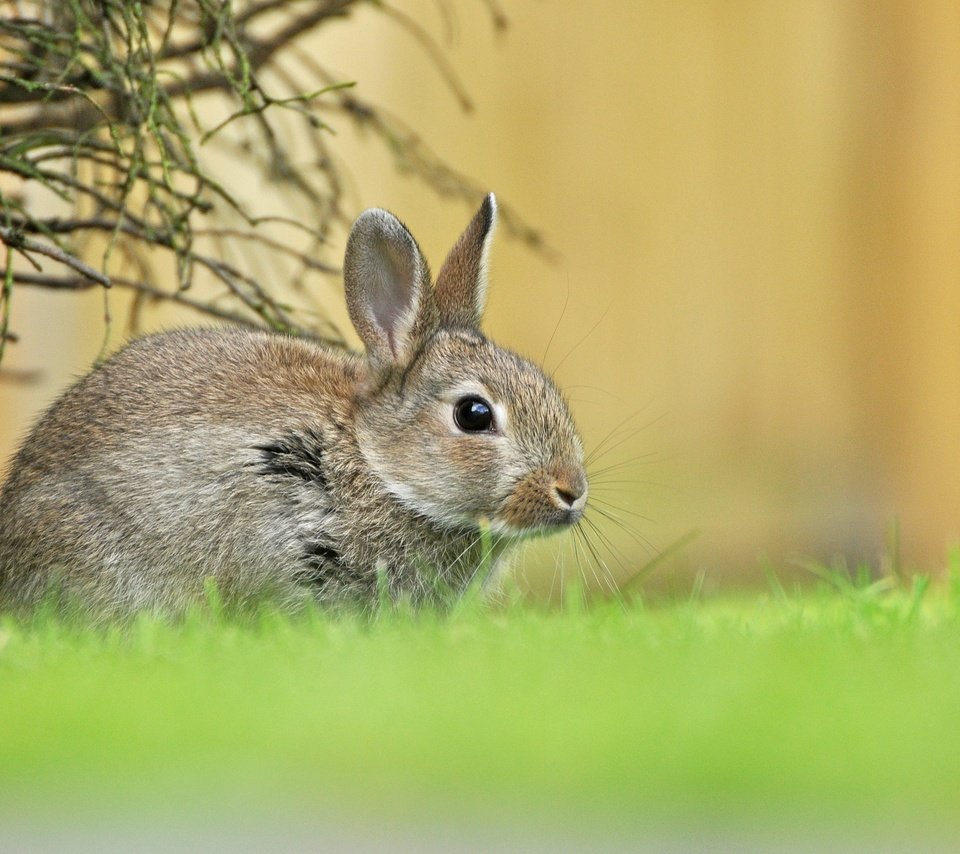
{"x": 461, "y": 288}
{"x": 387, "y": 285}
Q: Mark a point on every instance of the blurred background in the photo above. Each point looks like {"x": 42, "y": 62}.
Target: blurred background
{"x": 752, "y": 291}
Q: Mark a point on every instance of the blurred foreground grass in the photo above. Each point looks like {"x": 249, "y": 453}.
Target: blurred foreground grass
{"x": 835, "y": 705}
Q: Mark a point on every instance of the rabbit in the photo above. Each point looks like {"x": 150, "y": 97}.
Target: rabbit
{"x": 275, "y": 466}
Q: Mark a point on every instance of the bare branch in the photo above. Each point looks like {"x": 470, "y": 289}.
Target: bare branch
{"x": 107, "y": 106}
{"x": 20, "y": 242}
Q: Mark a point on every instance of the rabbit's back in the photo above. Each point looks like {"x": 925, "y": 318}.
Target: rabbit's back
{"x": 143, "y": 480}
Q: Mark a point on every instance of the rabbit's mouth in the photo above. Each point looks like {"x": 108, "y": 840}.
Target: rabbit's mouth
{"x": 541, "y": 504}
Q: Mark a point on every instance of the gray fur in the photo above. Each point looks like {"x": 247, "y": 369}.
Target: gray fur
{"x": 277, "y": 467}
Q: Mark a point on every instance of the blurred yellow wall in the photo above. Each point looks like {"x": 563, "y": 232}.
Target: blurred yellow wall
{"x": 757, "y": 206}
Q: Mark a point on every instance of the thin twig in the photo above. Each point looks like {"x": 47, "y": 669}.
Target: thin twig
{"x": 20, "y": 242}
{"x": 78, "y": 283}
{"x": 109, "y": 103}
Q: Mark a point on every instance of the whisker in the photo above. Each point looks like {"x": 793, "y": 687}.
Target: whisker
{"x": 637, "y": 537}
{"x": 623, "y": 432}
{"x": 584, "y": 338}
{"x": 595, "y": 500}
{"x": 597, "y": 388}
{"x": 611, "y": 547}
{"x": 596, "y": 456}
{"x": 612, "y": 585}
{"x": 563, "y": 311}
{"x": 589, "y": 557}
{"x": 614, "y": 433}
{"x": 476, "y": 570}
{"x": 579, "y": 534}
{"x": 487, "y": 584}
{"x": 639, "y": 459}
{"x": 557, "y": 569}
{"x": 457, "y": 561}
{"x": 621, "y": 485}
{"x": 562, "y": 577}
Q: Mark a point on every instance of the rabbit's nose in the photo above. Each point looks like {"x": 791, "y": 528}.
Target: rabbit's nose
{"x": 570, "y": 492}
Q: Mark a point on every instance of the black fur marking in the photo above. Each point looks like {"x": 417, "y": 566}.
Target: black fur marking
{"x": 297, "y": 455}
{"x": 321, "y": 553}
{"x": 323, "y": 563}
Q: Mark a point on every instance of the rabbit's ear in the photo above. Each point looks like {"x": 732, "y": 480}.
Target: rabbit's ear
{"x": 387, "y": 283}
{"x": 461, "y": 289}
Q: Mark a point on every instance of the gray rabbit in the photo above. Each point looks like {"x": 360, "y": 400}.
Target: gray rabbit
{"x": 277, "y": 467}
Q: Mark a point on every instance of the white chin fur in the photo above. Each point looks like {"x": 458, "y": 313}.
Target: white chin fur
{"x": 505, "y": 529}
{"x": 406, "y": 496}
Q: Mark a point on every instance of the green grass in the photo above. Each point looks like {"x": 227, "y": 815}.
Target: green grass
{"x": 835, "y": 705}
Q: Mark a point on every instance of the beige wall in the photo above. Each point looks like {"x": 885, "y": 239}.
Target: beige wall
{"x": 758, "y": 210}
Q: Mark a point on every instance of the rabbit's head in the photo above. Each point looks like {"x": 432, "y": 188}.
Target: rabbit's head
{"x": 458, "y": 429}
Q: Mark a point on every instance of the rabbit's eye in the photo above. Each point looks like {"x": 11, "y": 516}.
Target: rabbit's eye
{"x": 473, "y": 415}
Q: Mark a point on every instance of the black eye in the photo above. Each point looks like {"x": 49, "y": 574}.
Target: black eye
{"x": 473, "y": 415}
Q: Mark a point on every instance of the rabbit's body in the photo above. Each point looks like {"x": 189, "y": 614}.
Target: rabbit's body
{"x": 274, "y": 466}
{"x": 221, "y": 454}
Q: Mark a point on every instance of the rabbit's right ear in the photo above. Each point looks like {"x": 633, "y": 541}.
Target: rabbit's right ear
{"x": 387, "y": 283}
{"x": 461, "y": 289}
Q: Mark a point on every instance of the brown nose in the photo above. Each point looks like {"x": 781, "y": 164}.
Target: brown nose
{"x": 569, "y": 490}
